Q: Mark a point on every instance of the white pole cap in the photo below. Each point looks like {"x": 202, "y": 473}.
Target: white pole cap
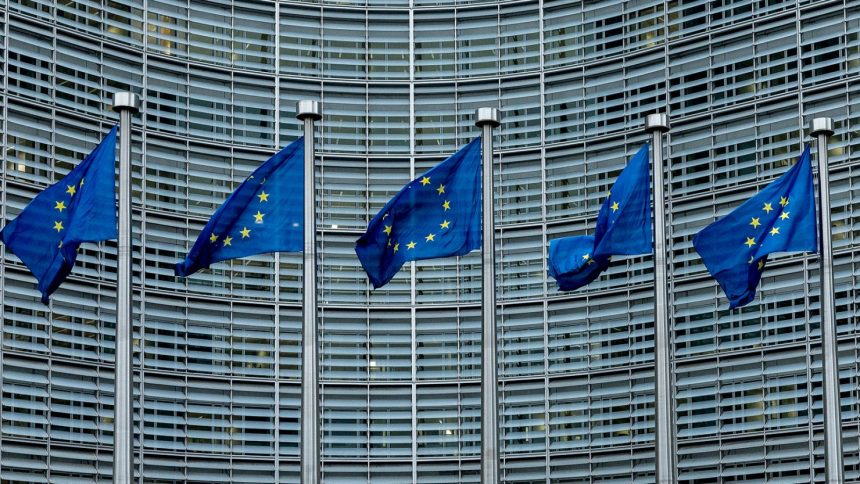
{"x": 821, "y": 126}
{"x": 126, "y": 100}
{"x": 308, "y": 109}
{"x": 657, "y": 122}
{"x": 489, "y": 116}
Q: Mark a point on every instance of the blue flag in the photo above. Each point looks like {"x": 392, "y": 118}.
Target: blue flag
{"x": 780, "y": 218}
{"x": 571, "y": 263}
{"x": 265, "y": 214}
{"x": 436, "y": 215}
{"x": 623, "y": 228}
{"x": 79, "y": 208}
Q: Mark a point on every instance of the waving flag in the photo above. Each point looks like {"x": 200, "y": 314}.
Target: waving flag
{"x": 436, "y": 215}
{"x": 79, "y": 208}
{"x": 623, "y": 228}
{"x": 265, "y": 214}
{"x": 780, "y": 218}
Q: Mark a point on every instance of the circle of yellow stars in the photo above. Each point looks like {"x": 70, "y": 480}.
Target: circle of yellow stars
{"x": 60, "y": 206}
{"x": 588, "y": 259}
{"x": 431, "y": 236}
{"x": 245, "y": 233}
{"x": 614, "y": 206}
{"x": 755, "y": 223}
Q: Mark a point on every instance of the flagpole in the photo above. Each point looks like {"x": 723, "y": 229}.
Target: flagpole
{"x": 657, "y": 124}
{"x": 126, "y": 104}
{"x": 487, "y": 119}
{"x": 308, "y": 112}
{"x": 822, "y": 128}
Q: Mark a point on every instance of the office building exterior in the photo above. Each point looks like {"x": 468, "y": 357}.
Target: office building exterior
{"x": 217, "y": 355}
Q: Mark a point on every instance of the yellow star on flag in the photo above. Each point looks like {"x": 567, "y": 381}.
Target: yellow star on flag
{"x": 410, "y": 245}
{"x": 58, "y": 226}
{"x": 750, "y": 242}
{"x": 783, "y": 201}
{"x": 755, "y": 222}
{"x": 396, "y": 247}
{"x": 614, "y": 206}
{"x": 586, "y": 256}
{"x": 447, "y": 205}
{"x": 774, "y": 231}
{"x": 60, "y": 245}
{"x": 228, "y": 241}
{"x": 60, "y": 206}
{"x": 81, "y": 183}
{"x": 783, "y": 215}
{"x": 387, "y": 229}
{"x": 767, "y": 208}
{"x": 441, "y": 189}
{"x": 445, "y": 224}
{"x": 213, "y": 238}
{"x": 425, "y": 180}
{"x": 258, "y": 217}
{"x": 430, "y": 237}
{"x": 245, "y": 232}
{"x": 761, "y": 264}
{"x": 264, "y": 197}
{"x": 70, "y": 189}
{"x": 752, "y": 259}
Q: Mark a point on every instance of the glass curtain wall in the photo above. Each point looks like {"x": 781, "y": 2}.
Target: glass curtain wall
{"x": 217, "y": 355}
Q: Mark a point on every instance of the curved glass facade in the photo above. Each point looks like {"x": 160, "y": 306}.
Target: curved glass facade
{"x": 218, "y": 355}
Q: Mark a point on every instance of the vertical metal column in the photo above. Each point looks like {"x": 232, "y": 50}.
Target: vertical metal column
{"x": 126, "y": 104}
{"x": 487, "y": 119}
{"x": 822, "y": 128}
{"x": 657, "y": 124}
{"x": 308, "y": 112}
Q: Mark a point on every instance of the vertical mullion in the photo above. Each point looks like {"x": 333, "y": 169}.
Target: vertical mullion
{"x": 4, "y": 96}
{"x": 544, "y": 241}
{"x": 277, "y": 259}
{"x": 412, "y": 286}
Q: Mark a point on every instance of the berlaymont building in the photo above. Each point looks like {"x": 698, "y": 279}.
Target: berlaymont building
{"x": 217, "y": 356}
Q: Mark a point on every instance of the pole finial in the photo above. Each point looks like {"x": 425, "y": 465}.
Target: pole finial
{"x": 657, "y": 122}
{"x": 307, "y": 108}
{"x": 126, "y": 100}
{"x": 821, "y": 126}
{"x": 489, "y": 116}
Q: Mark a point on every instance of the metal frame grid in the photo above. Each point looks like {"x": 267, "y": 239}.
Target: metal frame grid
{"x": 218, "y": 359}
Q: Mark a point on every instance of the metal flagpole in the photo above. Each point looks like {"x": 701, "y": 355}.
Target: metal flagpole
{"x": 126, "y": 104}
{"x": 657, "y": 124}
{"x": 308, "y": 112}
{"x": 487, "y": 119}
{"x": 822, "y": 128}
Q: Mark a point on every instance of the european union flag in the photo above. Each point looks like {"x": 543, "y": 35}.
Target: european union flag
{"x": 436, "y": 215}
{"x": 780, "y": 218}
{"x": 571, "y": 263}
{"x": 265, "y": 214}
{"x": 79, "y": 208}
{"x": 623, "y": 228}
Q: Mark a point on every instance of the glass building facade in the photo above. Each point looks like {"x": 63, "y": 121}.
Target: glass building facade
{"x": 217, "y": 355}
